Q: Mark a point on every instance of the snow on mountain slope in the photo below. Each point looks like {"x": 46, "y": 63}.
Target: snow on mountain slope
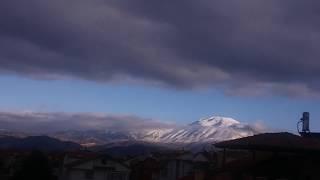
{"x": 216, "y": 121}
{"x": 206, "y": 130}
{"x": 211, "y": 129}
{"x": 150, "y": 135}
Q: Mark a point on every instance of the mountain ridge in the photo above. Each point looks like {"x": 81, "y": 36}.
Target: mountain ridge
{"x": 205, "y": 130}
{"x": 213, "y": 129}
{"x": 43, "y": 143}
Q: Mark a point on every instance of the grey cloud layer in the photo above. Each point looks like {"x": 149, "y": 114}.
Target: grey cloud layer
{"x": 40, "y": 122}
{"x": 241, "y": 47}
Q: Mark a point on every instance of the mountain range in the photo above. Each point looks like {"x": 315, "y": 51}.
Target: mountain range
{"x": 194, "y": 136}
{"x": 213, "y": 129}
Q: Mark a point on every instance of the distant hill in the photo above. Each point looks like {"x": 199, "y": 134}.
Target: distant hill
{"x": 130, "y": 148}
{"x": 42, "y": 143}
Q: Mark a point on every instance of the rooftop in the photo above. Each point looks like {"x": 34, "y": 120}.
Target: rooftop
{"x": 283, "y": 141}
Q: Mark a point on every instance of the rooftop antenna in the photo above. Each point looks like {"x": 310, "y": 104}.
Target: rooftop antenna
{"x": 305, "y": 123}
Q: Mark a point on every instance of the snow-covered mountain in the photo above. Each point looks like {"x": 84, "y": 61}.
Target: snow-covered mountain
{"x": 211, "y": 129}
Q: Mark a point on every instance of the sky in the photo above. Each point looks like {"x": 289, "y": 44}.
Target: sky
{"x": 159, "y": 62}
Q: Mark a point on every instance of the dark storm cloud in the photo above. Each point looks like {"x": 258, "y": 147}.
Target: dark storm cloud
{"x": 241, "y": 47}
{"x": 42, "y": 122}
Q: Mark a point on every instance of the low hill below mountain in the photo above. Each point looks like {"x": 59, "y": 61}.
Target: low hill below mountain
{"x": 42, "y": 143}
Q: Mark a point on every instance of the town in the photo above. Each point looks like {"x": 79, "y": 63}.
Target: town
{"x": 263, "y": 156}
